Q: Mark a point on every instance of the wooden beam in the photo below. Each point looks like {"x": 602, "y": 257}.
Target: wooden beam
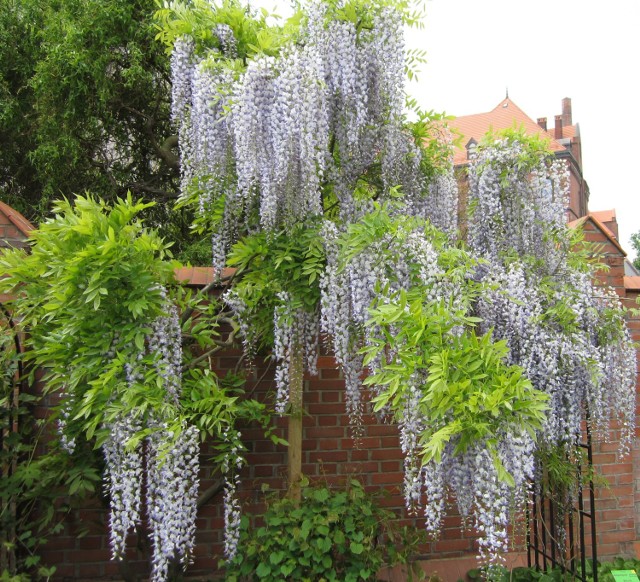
{"x": 294, "y": 436}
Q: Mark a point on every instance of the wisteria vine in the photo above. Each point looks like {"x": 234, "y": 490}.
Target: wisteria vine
{"x": 564, "y": 329}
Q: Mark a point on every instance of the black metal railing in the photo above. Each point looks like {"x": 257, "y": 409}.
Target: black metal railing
{"x": 558, "y": 533}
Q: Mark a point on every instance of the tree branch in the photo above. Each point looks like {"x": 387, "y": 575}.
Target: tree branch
{"x": 158, "y": 192}
{"x": 210, "y": 493}
{"x": 164, "y": 150}
{"x": 219, "y": 346}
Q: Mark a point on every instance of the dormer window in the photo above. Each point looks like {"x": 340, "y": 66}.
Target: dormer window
{"x": 471, "y": 148}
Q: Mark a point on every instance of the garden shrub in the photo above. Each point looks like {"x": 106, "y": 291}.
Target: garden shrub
{"x": 331, "y": 535}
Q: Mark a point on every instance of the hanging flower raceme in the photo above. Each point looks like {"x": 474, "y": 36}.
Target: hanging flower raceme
{"x": 293, "y": 330}
{"x": 172, "y": 482}
{"x": 518, "y": 198}
{"x": 231, "y": 465}
{"x": 124, "y": 477}
{"x": 170, "y": 461}
{"x": 113, "y": 350}
{"x": 566, "y": 331}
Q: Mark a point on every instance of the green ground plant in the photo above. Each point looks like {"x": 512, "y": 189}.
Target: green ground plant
{"x": 333, "y": 534}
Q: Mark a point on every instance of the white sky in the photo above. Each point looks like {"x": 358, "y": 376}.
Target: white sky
{"x": 542, "y": 51}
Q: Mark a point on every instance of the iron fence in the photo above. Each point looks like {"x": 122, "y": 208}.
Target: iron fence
{"x": 563, "y": 535}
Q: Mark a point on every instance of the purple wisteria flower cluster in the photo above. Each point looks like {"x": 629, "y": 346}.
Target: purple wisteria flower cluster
{"x": 379, "y": 272}
{"x": 267, "y": 138}
{"x": 232, "y": 463}
{"x": 293, "y": 329}
{"x": 167, "y": 463}
{"x": 67, "y": 442}
{"x": 348, "y": 290}
{"x": 123, "y": 482}
{"x": 565, "y": 330}
{"x": 481, "y": 495}
{"x": 172, "y": 495}
{"x": 517, "y": 208}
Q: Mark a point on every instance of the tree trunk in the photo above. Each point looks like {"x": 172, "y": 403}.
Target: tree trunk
{"x": 295, "y": 423}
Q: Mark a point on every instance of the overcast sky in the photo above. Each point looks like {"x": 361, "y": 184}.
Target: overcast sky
{"x": 542, "y": 51}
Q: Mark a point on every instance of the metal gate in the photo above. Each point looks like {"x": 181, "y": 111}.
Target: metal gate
{"x": 565, "y": 537}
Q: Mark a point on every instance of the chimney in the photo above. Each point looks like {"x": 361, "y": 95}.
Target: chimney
{"x": 542, "y": 122}
{"x": 566, "y": 112}
{"x": 558, "y": 127}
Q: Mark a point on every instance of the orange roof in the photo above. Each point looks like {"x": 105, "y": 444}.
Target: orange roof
{"x": 19, "y": 221}
{"x": 632, "y": 283}
{"x": 504, "y": 116}
{"x": 567, "y": 131}
{"x": 200, "y": 276}
{"x": 605, "y": 215}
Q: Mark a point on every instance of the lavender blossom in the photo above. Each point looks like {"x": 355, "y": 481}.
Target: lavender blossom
{"x": 123, "y": 481}
{"x": 172, "y": 481}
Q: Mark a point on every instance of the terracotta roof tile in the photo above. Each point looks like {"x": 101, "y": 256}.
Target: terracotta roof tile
{"x": 632, "y": 283}
{"x": 19, "y": 221}
{"x": 567, "y": 131}
{"x": 504, "y": 116}
{"x": 605, "y": 215}
{"x": 199, "y": 276}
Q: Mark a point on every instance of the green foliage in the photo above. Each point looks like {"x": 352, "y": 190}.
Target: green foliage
{"x": 254, "y": 30}
{"x": 619, "y": 563}
{"x": 635, "y": 242}
{"x": 93, "y": 274}
{"x": 471, "y": 393}
{"x": 331, "y": 535}
{"x": 536, "y": 148}
{"x": 431, "y": 134}
{"x": 269, "y": 264}
{"x": 198, "y": 19}
{"x": 87, "y": 294}
{"x": 84, "y": 103}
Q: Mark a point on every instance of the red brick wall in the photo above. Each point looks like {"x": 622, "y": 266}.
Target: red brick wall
{"x": 611, "y": 256}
